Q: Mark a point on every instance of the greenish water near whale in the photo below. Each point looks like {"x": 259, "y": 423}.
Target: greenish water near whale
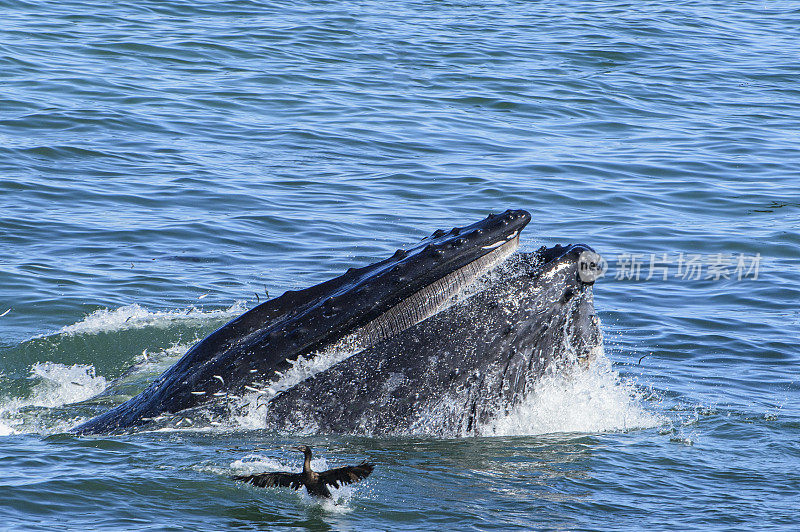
{"x": 161, "y": 163}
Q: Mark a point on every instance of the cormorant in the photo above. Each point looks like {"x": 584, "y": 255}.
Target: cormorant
{"x": 316, "y": 483}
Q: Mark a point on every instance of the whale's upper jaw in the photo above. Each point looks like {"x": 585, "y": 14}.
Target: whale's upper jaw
{"x": 320, "y": 315}
{"x": 441, "y": 253}
{"x": 383, "y": 284}
{"x": 368, "y": 304}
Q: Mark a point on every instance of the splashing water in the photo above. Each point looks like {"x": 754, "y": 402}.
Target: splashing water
{"x": 592, "y": 399}
{"x": 582, "y": 400}
{"x": 135, "y": 317}
{"x": 250, "y": 407}
{"x": 57, "y": 385}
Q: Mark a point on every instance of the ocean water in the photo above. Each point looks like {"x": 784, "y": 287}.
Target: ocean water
{"x": 163, "y": 164}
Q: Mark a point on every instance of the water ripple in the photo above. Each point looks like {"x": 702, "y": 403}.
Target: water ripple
{"x": 153, "y": 152}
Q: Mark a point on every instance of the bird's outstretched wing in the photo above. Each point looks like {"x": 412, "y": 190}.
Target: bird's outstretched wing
{"x": 346, "y": 475}
{"x": 268, "y": 480}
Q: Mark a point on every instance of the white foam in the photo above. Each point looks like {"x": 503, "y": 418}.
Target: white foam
{"x": 57, "y": 385}
{"x": 136, "y": 317}
{"x": 587, "y": 400}
{"x": 250, "y": 413}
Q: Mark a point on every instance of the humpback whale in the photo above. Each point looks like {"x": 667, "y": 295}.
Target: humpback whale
{"x": 422, "y": 355}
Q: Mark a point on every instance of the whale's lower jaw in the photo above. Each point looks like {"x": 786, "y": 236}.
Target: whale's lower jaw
{"x": 456, "y": 372}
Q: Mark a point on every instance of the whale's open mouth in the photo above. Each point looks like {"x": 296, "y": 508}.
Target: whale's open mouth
{"x": 429, "y": 300}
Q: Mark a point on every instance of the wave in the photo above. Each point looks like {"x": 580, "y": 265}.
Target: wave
{"x": 56, "y": 385}
{"x": 35, "y": 403}
{"x": 135, "y": 317}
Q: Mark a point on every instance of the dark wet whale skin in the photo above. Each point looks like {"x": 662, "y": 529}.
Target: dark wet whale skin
{"x": 453, "y": 373}
{"x": 267, "y": 338}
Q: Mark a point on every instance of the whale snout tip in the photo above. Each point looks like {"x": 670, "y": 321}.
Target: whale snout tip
{"x": 518, "y": 214}
{"x": 511, "y": 219}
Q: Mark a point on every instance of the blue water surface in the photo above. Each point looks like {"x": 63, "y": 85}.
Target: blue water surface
{"x": 162, "y": 162}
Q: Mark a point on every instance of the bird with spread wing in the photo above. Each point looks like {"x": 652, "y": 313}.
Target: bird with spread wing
{"x": 316, "y": 483}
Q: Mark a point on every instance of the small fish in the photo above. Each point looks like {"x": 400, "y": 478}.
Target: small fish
{"x": 203, "y": 296}
{"x": 4, "y": 313}
{"x": 157, "y": 418}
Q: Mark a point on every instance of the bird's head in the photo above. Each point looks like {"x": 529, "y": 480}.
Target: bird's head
{"x": 305, "y": 449}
